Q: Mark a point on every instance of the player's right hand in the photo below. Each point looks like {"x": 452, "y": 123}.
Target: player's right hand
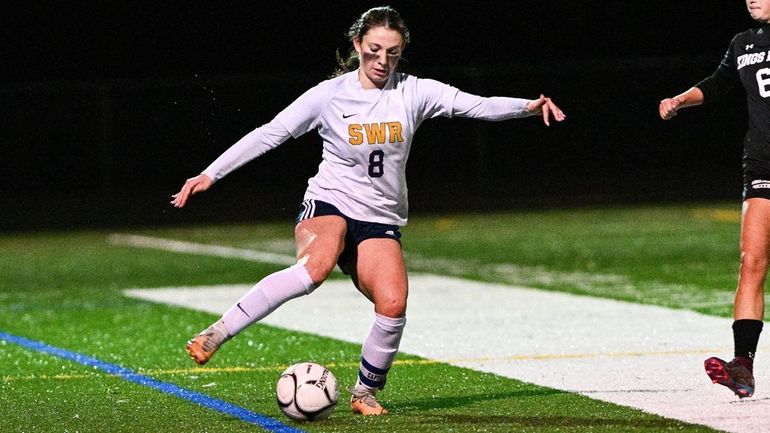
{"x": 193, "y": 185}
{"x": 668, "y": 108}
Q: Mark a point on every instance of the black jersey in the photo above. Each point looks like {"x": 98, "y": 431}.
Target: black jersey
{"x": 747, "y": 62}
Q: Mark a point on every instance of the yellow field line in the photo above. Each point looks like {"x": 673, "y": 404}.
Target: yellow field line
{"x": 404, "y": 362}
{"x": 720, "y": 215}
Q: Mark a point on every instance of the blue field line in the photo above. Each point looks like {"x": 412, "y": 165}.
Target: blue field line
{"x": 167, "y": 388}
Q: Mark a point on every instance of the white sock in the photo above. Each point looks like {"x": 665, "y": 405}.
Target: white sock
{"x": 379, "y": 351}
{"x": 267, "y": 295}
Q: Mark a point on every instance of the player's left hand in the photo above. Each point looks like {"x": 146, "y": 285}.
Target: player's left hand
{"x": 546, "y": 106}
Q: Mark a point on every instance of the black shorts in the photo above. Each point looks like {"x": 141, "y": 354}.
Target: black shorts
{"x": 756, "y": 184}
{"x": 357, "y": 231}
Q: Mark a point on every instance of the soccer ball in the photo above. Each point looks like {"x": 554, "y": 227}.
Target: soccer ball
{"x": 307, "y": 392}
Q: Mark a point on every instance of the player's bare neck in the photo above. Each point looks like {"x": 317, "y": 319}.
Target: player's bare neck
{"x": 366, "y": 83}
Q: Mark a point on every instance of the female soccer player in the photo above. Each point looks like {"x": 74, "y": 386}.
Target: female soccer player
{"x": 356, "y": 203}
{"x": 747, "y": 62}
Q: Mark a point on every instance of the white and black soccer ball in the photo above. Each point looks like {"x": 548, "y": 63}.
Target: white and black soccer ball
{"x": 307, "y": 392}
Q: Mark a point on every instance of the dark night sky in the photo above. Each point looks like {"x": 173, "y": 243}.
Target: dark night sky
{"x": 109, "y": 105}
{"x": 63, "y": 41}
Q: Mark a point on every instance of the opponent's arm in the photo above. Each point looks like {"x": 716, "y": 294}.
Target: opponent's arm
{"x": 669, "y": 106}
{"x": 715, "y": 86}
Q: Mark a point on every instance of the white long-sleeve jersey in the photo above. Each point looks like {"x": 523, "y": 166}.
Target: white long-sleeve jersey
{"x": 366, "y": 137}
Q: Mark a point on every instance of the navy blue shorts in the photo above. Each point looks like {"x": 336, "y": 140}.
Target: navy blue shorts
{"x": 357, "y": 232}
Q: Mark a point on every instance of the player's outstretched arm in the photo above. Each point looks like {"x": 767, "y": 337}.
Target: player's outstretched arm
{"x": 547, "y": 108}
{"x": 192, "y": 186}
{"x": 670, "y": 106}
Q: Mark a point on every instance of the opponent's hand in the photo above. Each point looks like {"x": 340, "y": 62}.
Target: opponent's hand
{"x": 668, "y": 108}
{"x": 193, "y": 185}
{"x": 546, "y": 106}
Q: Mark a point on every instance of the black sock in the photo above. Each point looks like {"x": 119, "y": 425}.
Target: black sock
{"x": 746, "y": 335}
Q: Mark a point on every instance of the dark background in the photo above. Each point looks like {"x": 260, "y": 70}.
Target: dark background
{"x": 108, "y": 107}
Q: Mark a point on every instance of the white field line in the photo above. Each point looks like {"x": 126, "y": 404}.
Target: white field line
{"x": 595, "y": 284}
{"x": 592, "y": 283}
{"x": 200, "y": 249}
{"x": 176, "y": 246}
{"x": 640, "y": 356}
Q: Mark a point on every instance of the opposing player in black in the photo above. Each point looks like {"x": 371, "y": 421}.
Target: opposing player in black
{"x": 747, "y": 63}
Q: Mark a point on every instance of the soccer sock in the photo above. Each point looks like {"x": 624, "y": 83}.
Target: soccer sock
{"x": 746, "y": 335}
{"x": 379, "y": 351}
{"x": 267, "y": 295}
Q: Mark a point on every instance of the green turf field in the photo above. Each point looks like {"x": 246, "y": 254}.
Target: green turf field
{"x": 64, "y": 289}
